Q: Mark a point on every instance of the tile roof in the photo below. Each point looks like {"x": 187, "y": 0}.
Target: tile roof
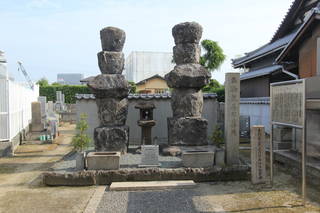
{"x": 144, "y": 96}
{"x": 312, "y": 16}
{"x": 264, "y": 50}
{"x": 260, "y": 72}
{"x": 256, "y": 100}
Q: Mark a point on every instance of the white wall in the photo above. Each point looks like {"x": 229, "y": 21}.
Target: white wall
{"x": 259, "y": 113}
{"x": 15, "y": 107}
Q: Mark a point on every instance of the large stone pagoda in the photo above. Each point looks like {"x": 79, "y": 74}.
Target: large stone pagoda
{"x": 186, "y": 127}
{"x": 111, "y": 91}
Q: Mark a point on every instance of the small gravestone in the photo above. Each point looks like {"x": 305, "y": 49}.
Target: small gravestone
{"x": 150, "y": 156}
{"x": 258, "y": 155}
{"x": 36, "y": 121}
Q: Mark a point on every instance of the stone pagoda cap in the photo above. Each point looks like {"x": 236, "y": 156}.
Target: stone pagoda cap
{"x": 187, "y": 32}
{"x": 109, "y": 86}
{"x": 112, "y": 39}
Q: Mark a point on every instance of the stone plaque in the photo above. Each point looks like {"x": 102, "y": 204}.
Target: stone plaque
{"x": 150, "y": 156}
{"x": 232, "y": 117}
{"x": 287, "y": 103}
{"x": 258, "y": 155}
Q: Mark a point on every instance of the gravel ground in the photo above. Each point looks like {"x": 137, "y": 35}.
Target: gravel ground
{"x": 208, "y": 197}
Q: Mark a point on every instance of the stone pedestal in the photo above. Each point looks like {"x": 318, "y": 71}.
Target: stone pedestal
{"x": 111, "y": 138}
{"x": 188, "y": 77}
{"x": 232, "y": 117}
{"x": 187, "y": 131}
{"x": 258, "y": 155}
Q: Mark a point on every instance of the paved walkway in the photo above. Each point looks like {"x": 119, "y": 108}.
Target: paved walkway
{"x": 21, "y": 189}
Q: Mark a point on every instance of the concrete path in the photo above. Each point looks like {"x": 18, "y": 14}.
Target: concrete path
{"x": 206, "y": 197}
{"x": 21, "y": 189}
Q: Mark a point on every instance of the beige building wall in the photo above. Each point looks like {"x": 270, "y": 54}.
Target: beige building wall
{"x": 155, "y": 85}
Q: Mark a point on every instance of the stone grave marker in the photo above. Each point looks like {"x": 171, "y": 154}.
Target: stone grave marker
{"x": 36, "y": 121}
{"x": 258, "y": 155}
{"x": 232, "y": 116}
{"x": 150, "y": 156}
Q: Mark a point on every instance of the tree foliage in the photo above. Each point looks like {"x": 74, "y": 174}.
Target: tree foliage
{"x": 133, "y": 87}
{"x": 81, "y": 140}
{"x": 69, "y": 91}
{"x": 43, "y": 82}
{"x": 213, "y": 56}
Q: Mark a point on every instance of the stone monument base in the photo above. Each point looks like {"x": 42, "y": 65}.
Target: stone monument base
{"x": 111, "y": 138}
{"x": 188, "y": 131}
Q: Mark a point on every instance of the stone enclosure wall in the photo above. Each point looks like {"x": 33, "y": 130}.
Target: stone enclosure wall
{"x": 161, "y": 113}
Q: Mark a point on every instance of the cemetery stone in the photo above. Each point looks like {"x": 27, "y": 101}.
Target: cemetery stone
{"x": 258, "y": 155}
{"x": 186, "y": 127}
{"x": 111, "y": 91}
{"x": 232, "y": 116}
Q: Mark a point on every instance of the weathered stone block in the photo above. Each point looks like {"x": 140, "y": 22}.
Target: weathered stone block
{"x": 109, "y": 86}
{"x": 187, "y": 32}
{"x": 111, "y": 62}
{"x": 187, "y": 103}
{"x": 112, "y": 111}
{"x": 112, "y": 39}
{"x": 187, "y": 131}
{"x": 111, "y": 138}
{"x": 188, "y": 76}
{"x": 103, "y": 160}
{"x": 186, "y": 53}
{"x": 197, "y": 159}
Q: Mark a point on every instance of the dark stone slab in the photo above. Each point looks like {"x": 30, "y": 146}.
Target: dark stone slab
{"x": 109, "y": 86}
{"x": 186, "y": 53}
{"x": 111, "y": 138}
{"x": 112, "y": 39}
{"x": 187, "y": 103}
{"x": 83, "y": 178}
{"x": 111, "y": 62}
{"x": 187, "y": 32}
{"x": 106, "y": 177}
{"x": 112, "y": 111}
{"x": 188, "y": 76}
{"x": 187, "y": 131}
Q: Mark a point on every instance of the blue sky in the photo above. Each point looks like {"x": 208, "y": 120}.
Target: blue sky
{"x": 62, "y": 36}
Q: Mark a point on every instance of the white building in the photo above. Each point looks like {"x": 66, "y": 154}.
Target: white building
{"x": 140, "y": 65}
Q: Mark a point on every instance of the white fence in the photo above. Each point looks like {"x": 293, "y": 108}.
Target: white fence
{"x": 15, "y": 107}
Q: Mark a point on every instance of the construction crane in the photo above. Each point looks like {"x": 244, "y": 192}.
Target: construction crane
{"x": 24, "y": 72}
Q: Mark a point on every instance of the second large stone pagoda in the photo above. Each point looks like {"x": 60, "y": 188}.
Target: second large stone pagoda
{"x": 111, "y": 91}
{"x": 186, "y": 127}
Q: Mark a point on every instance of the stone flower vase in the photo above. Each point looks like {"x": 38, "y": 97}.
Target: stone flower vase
{"x": 219, "y": 157}
{"x": 80, "y": 160}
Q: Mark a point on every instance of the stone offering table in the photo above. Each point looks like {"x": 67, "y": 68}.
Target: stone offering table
{"x": 111, "y": 91}
{"x": 186, "y": 127}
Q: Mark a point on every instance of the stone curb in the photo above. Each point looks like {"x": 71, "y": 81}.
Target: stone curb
{"x": 106, "y": 177}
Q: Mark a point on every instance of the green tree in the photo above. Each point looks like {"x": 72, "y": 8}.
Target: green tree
{"x": 43, "y": 82}
{"x": 56, "y": 84}
{"x": 81, "y": 140}
{"x": 133, "y": 86}
{"x": 213, "y": 56}
{"x": 213, "y": 85}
